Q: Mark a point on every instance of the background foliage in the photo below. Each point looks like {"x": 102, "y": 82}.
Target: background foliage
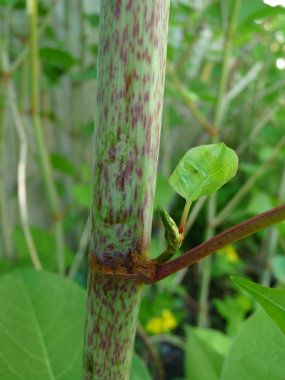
{"x": 42, "y": 314}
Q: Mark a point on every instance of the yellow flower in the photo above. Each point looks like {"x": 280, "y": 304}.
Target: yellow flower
{"x": 168, "y": 320}
{"x": 154, "y": 325}
{"x": 231, "y": 253}
{"x": 163, "y": 324}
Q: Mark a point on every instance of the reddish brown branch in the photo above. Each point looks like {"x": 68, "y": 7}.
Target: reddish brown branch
{"x": 233, "y": 234}
{"x": 219, "y": 241}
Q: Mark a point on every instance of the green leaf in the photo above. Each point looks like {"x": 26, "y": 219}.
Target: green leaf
{"x": 259, "y": 202}
{"x": 41, "y": 326}
{"x": 5, "y": 266}
{"x": 205, "y": 353}
{"x": 57, "y": 57}
{"x": 272, "y": 300}
{"x": 233, "y": 310}
{"x": 257, "y": 352}
{"x": 84, "y": 75}
{"x": 82, "y": 193}
{"x": 45, "y": 245}
{"x": 62, "y": 164}
{"x": 7, "y": 2}
{"x": 139, "y": 370}
{"x": 93, "y": 19}
{"x": 203, "y": 170}
{"x": 85, "y": 172}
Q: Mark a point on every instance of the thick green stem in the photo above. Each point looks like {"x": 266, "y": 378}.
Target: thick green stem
{"x": 43, "y": 153}
{"x": 219, "y": 111}
{"x": 131, "y": 70}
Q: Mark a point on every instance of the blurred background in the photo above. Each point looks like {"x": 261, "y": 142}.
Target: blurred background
{"x": 212, "y": 45}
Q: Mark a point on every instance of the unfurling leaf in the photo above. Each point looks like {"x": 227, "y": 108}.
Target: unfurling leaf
{"x": 203, "y": 170}
{"x": 172, "y": 237}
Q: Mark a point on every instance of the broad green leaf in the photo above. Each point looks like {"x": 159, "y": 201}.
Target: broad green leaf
{"x": 62, "y": 164}
{"x": 139, "y": 370}
{"x": 45, "y": 244}
{"x": 93, "y": 19}
{"x": 272, "y": 300}
{"x": 257, "y": 352}
{"x": 57, "y": 57}
{"x": 41, "y": 326}
{"x": 82, "y": 193}
{"x": 203, "y": 170}
{"x": 205, "y": 353}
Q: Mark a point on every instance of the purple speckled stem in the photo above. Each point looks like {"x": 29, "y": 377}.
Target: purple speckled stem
{"x": 132, "y": 58}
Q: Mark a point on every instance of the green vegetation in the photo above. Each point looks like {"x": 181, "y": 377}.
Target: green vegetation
{"x": 153, "y": 312}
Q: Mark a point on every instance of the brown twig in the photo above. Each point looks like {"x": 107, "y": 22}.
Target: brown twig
{"x": 235, "y": 233}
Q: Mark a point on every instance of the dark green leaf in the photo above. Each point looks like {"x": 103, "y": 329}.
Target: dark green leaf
{"x": 62, "y": 164}
{"x": 93, "y": 19}
{"x": 57, "y": 57}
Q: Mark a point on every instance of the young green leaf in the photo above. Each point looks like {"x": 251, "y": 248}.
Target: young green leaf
{"x": 272, "y": 300}
{"x": 203, "y": 170}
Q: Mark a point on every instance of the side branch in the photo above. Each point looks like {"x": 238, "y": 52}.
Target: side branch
{"x": 235, "y": 233}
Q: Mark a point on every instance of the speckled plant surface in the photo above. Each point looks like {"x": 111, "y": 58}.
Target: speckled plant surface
{"x": 132, "y": 59}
